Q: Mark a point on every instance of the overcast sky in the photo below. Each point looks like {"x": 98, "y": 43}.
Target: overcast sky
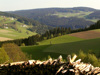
{"x": 11, "y": 5}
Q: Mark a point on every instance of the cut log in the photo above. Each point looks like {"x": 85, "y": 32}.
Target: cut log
{"x": 59, "y": 59}
{"x": 38, "y": 62}
{"x": 54, "y": 62}
{"x": 64, "y": 71}
{"x": 17, "y": 63}
{"x": 31, "y": 62}
{"x": 59, "y": 70}
{"x": 71, "y": 60}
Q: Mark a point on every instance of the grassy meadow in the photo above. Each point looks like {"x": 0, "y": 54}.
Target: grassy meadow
{"x": 13, "y": 34}
{"x": 62, "y": 45}
{"x": 38, "y": 51}
{"x": 10, "y": 33}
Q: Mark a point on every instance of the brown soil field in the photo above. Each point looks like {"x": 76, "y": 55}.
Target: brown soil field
{"x": 87, "y": 34}
{"x": 4, "y": 39}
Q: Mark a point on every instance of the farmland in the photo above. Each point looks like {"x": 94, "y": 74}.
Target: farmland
{"x": 92, "y": 34}
{"x": 11, "y": 29}
{"x": 37, "y": 52}
{"x": 62, "y": 45}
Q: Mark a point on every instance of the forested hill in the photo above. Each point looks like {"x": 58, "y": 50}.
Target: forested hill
{"x": 95, "y": 15}
{"x": 35, "y": 26}
{"x": 33, "y": 13}
{"x": 59, "y": 17}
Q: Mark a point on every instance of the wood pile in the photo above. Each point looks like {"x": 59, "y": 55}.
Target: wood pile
{"x": 64, "y": 68}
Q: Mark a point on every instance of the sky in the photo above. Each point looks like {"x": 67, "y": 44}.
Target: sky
{"x": 12, "y": 5}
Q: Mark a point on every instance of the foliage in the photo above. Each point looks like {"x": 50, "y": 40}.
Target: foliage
{"x": 89, "y": 58}
{"x": 22, "y": 44}
{"x": 3, "y": 56}
{"x": 14, "y": 52}
{"x": 72, "y": 22}
{"x": 82, "y": 55}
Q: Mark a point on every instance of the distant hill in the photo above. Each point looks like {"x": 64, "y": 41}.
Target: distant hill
{"x": 94, "y": 15}
{"x": 50, "y": 16}
{"x": 72, "y": 22}
{"x": 34, "y": 25}
{"x": 35, "y": 13}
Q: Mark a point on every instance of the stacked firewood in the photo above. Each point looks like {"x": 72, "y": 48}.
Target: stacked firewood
{"x": 64, "y": 68}
{"x": 78, "y": 68}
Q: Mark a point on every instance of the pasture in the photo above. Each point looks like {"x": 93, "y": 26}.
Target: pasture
{"x": 64, "y": 45}
{"x": 12, "y": 29}
{"x": 43, "y": 51}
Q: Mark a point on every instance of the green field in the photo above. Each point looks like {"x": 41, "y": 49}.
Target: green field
{"x": 19, "y": 32}
{"x": 62, "y": 45}
{"x": 37, "y": 52}
{"x": 60, "y": 39}
{"x": 13, "y": 34}
{"x": 74, "y": 47}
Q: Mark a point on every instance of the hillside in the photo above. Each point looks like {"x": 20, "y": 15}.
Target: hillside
{"x": 94, "y": 15}
{"x": 60, "y": 17}
{"x": 72, "y": 22}
{"x": 11, "y": 29}
{"x": 34, "y": 26}
{"x": 63, "y": 45}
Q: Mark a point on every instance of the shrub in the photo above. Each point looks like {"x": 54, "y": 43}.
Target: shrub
{"x": 14, "y": 52}
{"x": 3, "y": 56}
{"x": 89, "y": 58}
{"x": 82, "y": 55}
{"x": 22, "y": 44}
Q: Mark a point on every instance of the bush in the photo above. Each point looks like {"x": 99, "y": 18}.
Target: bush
{"x": 3, "y": 56}
{"x": 89, "y": 58}
{"x": 82, "y": 55}
{"x": 14, "y": 52}
{"x": 22, "y": 44}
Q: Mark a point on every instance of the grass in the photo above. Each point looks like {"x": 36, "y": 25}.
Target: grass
{"x": 63, "y": 45}
{"x": 74, "y": 47}
{"x": 14, "y": 34}
{"x": 54, "y": 50}
{"x": 60, "y": 39}
{"x": 38, "y": 52}
{"x": 11, "y": 33}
